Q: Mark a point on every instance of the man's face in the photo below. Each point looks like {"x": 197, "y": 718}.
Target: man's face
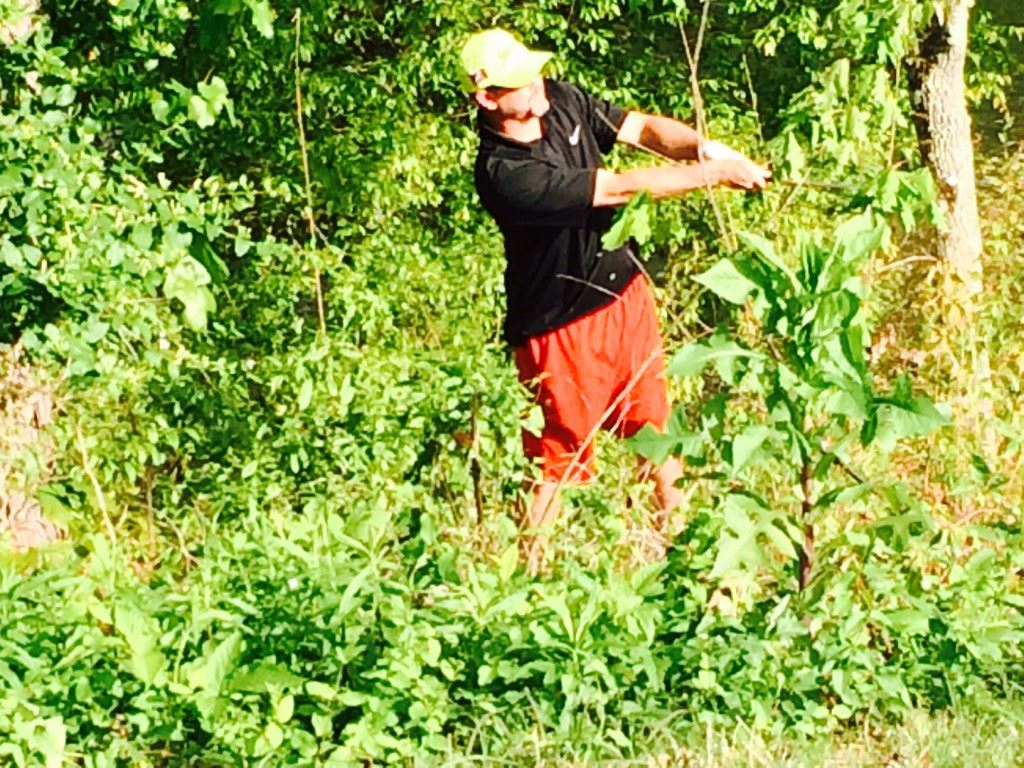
{"x": 517, "y": 103}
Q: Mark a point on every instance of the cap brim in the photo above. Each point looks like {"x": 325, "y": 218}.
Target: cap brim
{"x": 523, "y": 71}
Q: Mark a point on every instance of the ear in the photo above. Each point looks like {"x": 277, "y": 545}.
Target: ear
{"x": 485, "y": 101}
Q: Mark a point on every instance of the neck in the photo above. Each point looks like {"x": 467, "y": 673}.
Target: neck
{"x": 524, "y": 130}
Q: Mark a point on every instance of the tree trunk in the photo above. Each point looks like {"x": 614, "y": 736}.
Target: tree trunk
{"x": 944, "y": 133}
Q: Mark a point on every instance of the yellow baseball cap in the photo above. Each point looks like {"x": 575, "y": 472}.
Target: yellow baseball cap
{"x": 495, "y": 58}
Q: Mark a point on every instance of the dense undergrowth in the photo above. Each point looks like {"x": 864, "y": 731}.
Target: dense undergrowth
{"x": 289, "y": 545}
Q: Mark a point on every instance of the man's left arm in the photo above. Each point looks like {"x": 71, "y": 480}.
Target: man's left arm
{"x": 666, "y": 136}
{"x": 671, "y": 138}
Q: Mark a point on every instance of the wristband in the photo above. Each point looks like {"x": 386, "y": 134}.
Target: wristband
{"x": 716, "y": 150}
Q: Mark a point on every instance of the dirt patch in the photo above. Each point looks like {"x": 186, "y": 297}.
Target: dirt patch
{"x": 27, "y": 405}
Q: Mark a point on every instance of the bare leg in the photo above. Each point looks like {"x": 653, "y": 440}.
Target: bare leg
{"x": 543, "y": 511}
{"x": 666, "y": 494}
{"x": 667, "y": 497}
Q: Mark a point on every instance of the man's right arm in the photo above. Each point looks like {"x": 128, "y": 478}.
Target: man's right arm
{"x": 613, "y": 189}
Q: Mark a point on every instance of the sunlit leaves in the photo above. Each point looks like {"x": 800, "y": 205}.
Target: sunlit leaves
{"x": 186, "y": 281}
{"x": 801, "y": 384}
{"x": 205, "y": 105}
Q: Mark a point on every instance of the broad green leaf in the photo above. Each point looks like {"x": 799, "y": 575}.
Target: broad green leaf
{"x": 215, "y": 92}
{"x": 858, "y": 237}
{"x": 747, "y": 522}
{"x": 793, "y": 157}
{"x": 632, "y": 222}
{"x": 695, "y": 356}
{"x": 262, "y": 17}
{"x": 186, "y": 281}
{"x": 160, "y": 109}
{"x": 746, "y": 444}
{"x": 142, "y": 636}
{"x": 197, "y": 306}
{"x": 321, "y": 690}
{"x": 911, "y": 621}
{"x": 263, "y": 676}
{"x": 508, "y": 561}
{"x": 209, "y": 672}
{"x": 690, "y": 360}
{"x": 724, "y": 280}
{"x": 848, "y": 400}
{"x": 763, "y": 248}
{"x": 273, "y": 734}
{"x": 843, "y": 495}
{"x": 556, "y": 602}
{"x": 896, "y": 421}
{"x": 676, "y": 440}
{"x": 199, "y": 111}
{"x": 47, "y": 737}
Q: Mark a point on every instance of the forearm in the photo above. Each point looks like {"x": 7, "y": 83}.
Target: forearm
{"x": 612, "y": 189}
{"x": 664, "y": 135}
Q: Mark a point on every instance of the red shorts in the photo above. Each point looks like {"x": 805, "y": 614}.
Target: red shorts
{"x": 604, "y": 370}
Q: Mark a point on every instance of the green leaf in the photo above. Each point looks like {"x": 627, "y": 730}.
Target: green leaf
{"x": 677, "y": 439}
{"x": 305, "y": 394}
{"x": 199, "y": 111}
{"x": 264, "y": 676}
{"x": 273, "y": 734}
{"x": 632, "y": 222}
{"x": 284, "y": 709}
{"x": 723, "y": 279}
{"x": 695, "y": 356}
{"x": 556, "y": 602}
{"x": 858, "y": 237}
{"x": 763, "y": 248}
{"x": 321, "y": 690}
{"x": 209, "y": 672}
{"x": 747, "y": 523}
{"x": 794, "y": 157}
{"x": 205, "y": 105}
{"x": 142, "y": 635}
{"x": 507, "y": 562}
{"x": 911, "y": 621}
{"x": 897, "y": 420}
{"x": 54, "y": 741}
{"x": 54, "y": 509}
{"x": 186, "y": 281}
{"x": 746, "y": 444}
{"x": 160, "y": 109}
{"x": 262, "y": 17}
{"x": 197, "y": 306}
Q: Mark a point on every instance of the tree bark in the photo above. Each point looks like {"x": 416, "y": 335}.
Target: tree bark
{"x": 944, "y": 134}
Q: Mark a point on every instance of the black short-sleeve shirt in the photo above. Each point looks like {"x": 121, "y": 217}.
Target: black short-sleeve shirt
{"x": 540, "y": 194}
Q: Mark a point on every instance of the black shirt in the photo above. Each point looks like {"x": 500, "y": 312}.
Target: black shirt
{"x": 540, "y": 194}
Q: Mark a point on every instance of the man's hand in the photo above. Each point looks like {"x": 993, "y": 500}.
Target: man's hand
{"x": 738, "y": 173}
{"x": 611, "y": 189}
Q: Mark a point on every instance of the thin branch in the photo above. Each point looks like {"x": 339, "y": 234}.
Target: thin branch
{"x": 589, "y": 284}
{"x": 904, "y": 262}
{"x": 693, "y": 60}
{"x": 753, "y": 101}
{"x": 97, "y": 490}
{"x": 310, "y": 217}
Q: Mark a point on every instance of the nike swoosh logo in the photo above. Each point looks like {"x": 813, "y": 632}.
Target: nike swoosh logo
{"x": 574, "y": 137}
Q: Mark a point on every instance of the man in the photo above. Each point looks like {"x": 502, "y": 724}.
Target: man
{"x": 581, "y": 321}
